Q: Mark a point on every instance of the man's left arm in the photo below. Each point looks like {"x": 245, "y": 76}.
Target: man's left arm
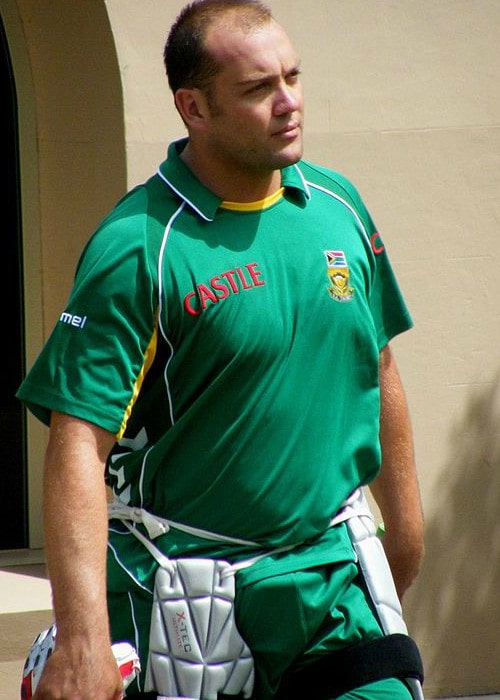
{"x": 396, "y": 489}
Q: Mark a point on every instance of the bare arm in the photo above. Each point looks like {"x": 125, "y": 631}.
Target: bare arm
{"x": 396, "y": 488}
{"x": 82, "y": 666}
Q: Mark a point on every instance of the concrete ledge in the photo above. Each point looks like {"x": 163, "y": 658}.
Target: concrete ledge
{"x": 24, "y": 588}
{"x": 21, "y": 557}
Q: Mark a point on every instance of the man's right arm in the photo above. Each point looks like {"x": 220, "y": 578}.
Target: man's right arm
{"x": 75, "y": 523}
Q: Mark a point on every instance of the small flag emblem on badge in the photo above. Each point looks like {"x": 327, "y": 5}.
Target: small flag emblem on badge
{"x": 336, "y": 258}
{"x": 338, "y": 274}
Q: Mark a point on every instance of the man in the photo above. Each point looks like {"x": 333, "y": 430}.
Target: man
{"x": 224, "y": 360}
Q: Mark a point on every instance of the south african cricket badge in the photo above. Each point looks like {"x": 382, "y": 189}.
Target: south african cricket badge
{"x": 338, "y": 274}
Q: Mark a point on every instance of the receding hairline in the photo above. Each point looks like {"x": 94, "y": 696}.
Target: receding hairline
{"x": 234, "y": 21}
{"x": 206, "y": 10}
{"x": 246, "y": 17}
{"x": 247, "y": 14}
{"x": 188, "y": 62}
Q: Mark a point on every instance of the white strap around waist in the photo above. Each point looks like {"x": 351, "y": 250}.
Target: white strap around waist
{"x": 156, "y": 526}
{"x": 354, "y": 506}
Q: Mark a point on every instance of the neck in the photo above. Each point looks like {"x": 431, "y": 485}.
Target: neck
{"x": 231, "y": 183}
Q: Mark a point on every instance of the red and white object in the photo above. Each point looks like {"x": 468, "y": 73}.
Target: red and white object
{"x": 43, "y": 646}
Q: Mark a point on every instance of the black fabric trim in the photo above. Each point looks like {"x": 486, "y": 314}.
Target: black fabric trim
{"x": 331, "y": 675}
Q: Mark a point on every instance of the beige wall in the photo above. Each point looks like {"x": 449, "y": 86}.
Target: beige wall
{"x": 72, "y": 158}
{"x": 76, "y": 102}
{"x": 404, "y": 99}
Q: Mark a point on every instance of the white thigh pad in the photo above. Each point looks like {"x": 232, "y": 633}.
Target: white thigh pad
{"x": 195, "y": 649}
{"x": 376, "y": 572}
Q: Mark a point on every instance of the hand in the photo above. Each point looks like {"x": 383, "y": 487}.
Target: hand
{"x": 90, "y": 676}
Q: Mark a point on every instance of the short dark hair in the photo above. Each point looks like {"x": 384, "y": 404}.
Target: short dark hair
{"x": 187, "y": 63}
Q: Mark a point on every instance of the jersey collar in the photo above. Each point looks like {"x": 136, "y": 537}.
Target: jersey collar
{"x": 175, "y": 173}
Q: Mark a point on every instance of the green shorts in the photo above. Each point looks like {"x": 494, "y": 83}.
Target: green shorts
{"x": 287, "y": 618}
{"x": 300, "y": 616}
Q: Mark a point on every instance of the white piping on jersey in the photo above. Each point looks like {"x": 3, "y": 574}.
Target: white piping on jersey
{"x": 143, "y": 467}
{"x": 347, "y": 205}
{"x": 136, "y": 633}
{"x": 304, "y": 181}
{"x": 200, "y": 213}
{"x": 166, "y": 233}
{"x": 183, "y": 196}
{"x": 122, "y": 566}
{"x": 160, "y": 305}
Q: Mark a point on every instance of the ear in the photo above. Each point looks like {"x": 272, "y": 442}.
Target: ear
{"x": 192, "y": 107}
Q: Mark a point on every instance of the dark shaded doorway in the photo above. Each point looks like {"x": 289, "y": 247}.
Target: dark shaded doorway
{"x": 13, "y": 472}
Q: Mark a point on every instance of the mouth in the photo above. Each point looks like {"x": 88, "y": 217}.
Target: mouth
{"x": 291, "y": 130}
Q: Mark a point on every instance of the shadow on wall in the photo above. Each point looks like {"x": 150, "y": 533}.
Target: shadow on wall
{"x": 455, "y": 607}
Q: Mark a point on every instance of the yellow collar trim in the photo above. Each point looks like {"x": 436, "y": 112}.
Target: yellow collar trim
{"x": 254, "y": 206}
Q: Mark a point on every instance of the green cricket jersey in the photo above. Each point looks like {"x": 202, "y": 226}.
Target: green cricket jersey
{"x": 233, "y": 350}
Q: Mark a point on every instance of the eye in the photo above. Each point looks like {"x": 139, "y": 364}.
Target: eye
{"x": 259, "y": 87}
{"x": 293, "y": 76}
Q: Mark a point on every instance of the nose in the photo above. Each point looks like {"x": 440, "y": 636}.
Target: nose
{"x": 288, "y": 99}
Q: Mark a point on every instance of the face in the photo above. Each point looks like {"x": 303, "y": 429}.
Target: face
{"x": 255, "y": 110}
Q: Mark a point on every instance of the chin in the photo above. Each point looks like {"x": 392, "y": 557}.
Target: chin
{"x": 288, "y": 157}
